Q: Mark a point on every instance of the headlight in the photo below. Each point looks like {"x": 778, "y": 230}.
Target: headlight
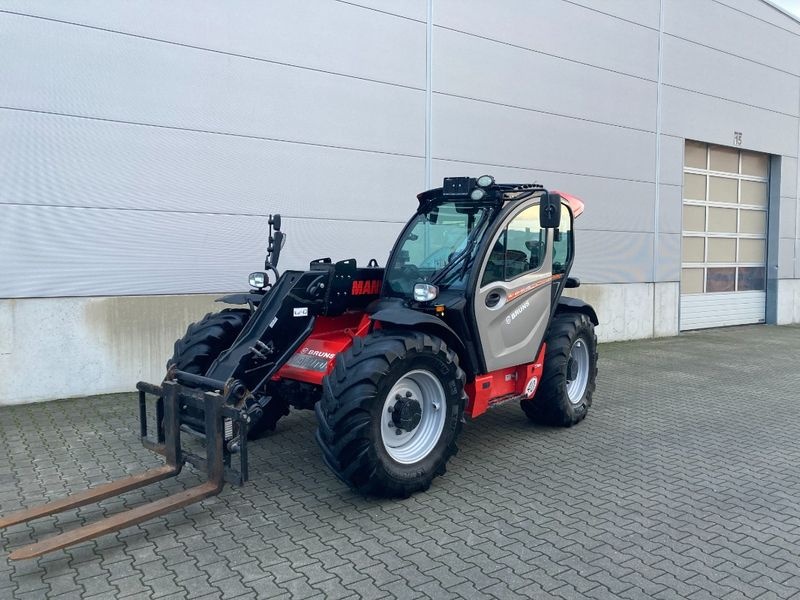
{"x": 477, "y": 194}
{"x": 425, "y": 292}
{"x": 257, "y": 280}
{"x": 485, "y": 181}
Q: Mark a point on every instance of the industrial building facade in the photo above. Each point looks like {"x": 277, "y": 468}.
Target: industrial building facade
{"x": 145, "y": 144}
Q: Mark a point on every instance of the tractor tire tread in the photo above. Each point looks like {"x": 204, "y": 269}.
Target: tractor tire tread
{"x": 205, "y": 340}
{"x": 550, "y": 406}
{"x": 344, "y": 416}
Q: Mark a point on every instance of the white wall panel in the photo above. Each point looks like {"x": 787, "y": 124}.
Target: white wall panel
{"x": 557, "y": 28}
{"x": 766, "y": 11}
{"x": 671, "y": 159}
{"x": 786, "y": 258}
{"x": 644, "y": 12}
{"x": 789, "y": 176}
{"x": 548, "y": 58}
{"x": 93, "y": 73}
{"x": 788, "y": 217}
{"x": 709, "y": 71}
{"x": 613, "y": 257}
{"x": 318, "y": 34}
{"x": 95, "y": 252}
{"x": 55, "y": 160}
{"x": 788, "y": 294}
{"x": 411, "y": 9}
{"x": 611, "y": 204}
{"x": 668, "y": 261}
{"x": 483, "y": 133}
{"x": 670, "y": 206}
{"x": 489, "y": 70}
{"x": 713, "y": 24}
{"x": 699, "y": 117}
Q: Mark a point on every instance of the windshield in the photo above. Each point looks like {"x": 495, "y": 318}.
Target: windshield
{"x": 437, "y": 247}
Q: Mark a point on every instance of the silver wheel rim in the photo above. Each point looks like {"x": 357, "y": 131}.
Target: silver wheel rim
{"x": 409, "y": 447}
{"x": 579, "y": 357}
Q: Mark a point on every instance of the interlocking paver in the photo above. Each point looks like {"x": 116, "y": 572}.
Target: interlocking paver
{"x": 682, "y": 483}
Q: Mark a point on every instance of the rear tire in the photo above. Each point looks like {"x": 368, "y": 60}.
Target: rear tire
{"x": 570, "y": 370}
{"x": 204, "y": 341}
{"x": 383, "y": 452}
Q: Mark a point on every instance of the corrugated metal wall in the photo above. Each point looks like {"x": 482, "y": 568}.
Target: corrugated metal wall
{"x": 147, "y": 142}
{"x": 143, "y": 144}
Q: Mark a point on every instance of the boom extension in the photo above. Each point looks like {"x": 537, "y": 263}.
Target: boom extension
{"x": 221, "y": 420}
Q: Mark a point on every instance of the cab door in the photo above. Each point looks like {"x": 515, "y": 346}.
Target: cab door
{"x": 513, "y": 300}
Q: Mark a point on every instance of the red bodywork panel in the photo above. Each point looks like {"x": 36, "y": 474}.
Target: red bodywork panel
{"x": 316, "y": 356}
{"x": 575, "y": 203}
{"x": 332, "y": 335}
{"x": 504, "y": 384}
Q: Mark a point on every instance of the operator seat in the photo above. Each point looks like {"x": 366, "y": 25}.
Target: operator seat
{"x": 537, "y": 250}
{"x": 495, "y": 266}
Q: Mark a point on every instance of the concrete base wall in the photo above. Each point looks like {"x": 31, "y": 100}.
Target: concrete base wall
{"x": 632, "y": 310}
{"x": 63, "y": 347}
{"x": 788, "y": 301}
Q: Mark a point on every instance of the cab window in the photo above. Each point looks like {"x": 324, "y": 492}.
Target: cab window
{"x": 519, "y": 249}
{"x": 562, "y": 242}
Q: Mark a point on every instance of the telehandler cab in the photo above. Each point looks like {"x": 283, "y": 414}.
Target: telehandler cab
{"x": 468, "y": 313}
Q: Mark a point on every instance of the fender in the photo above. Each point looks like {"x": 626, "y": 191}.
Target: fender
{"x": 253, "y": 298}
{"x": 406, "y": 317}
{"x": 567, "y": 304}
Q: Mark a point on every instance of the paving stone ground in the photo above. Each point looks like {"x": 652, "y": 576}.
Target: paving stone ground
{"x": 683, "y": 482}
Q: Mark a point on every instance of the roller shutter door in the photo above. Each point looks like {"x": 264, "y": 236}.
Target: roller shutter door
{"x": 724, "y": 242}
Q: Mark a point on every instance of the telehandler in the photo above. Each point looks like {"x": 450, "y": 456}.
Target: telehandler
{"x": 467, "y": 314}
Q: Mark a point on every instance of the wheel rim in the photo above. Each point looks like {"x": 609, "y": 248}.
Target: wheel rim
{"x": 577, "y": 371}
{"x": 412, "y": 444}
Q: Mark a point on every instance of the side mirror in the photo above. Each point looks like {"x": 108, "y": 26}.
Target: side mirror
{"x": 550, "y": 211}
{"x": 277, "y": 243}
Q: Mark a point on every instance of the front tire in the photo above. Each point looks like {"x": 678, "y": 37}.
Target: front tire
{"x": 200, "y": 346}
{"x": 570, "y": 370}
{"x": 390, "y": 412}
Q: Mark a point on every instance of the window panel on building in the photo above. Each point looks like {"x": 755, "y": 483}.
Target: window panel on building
{"x": 694, "y": 218}
{"x": 723, "y": 189}
{"x": 754, "y": 192}
{"x": 753, "y": 221}
{"x": 752, "y": 251}
{"x": 725, "y": 160}
{"x": 696, "y": 154}
{"x": 721, "y": 250}
{"x": 721, "y": 220}
{"x": 694, "y": 186}
{"x": 755, "y": 164}
{"x": 694, "y": 249}
{"x": 692, "y": 281}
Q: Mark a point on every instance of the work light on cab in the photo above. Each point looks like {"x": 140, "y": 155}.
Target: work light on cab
{"x": 257, "y": 280}
{"x": 425, "y": 292}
